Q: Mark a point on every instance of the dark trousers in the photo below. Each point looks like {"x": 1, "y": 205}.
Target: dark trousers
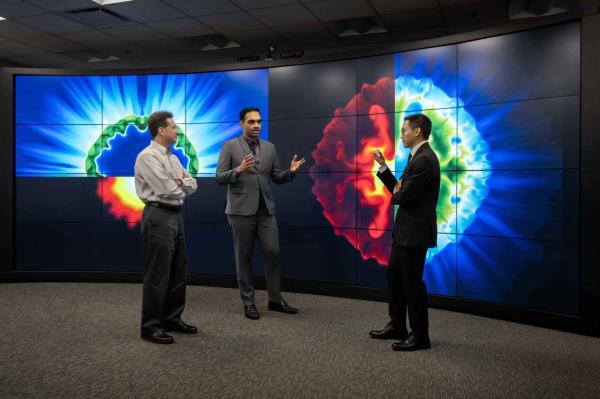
{"x": 246, "y": 230}
{"x": 407, "y": 290}
{"x": 165, "y": 264}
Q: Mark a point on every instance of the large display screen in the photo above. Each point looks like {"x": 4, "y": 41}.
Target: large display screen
{"x": 505, "y": 113}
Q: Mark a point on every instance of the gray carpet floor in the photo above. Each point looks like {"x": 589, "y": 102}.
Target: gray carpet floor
{"x": 66, "y": 340}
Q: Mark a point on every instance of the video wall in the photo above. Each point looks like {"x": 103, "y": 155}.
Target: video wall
{"x": 505, "y": 114}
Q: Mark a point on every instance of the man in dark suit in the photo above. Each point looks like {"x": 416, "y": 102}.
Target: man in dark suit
{"x": 248, "y": 164}
{"x": 415, "y": 230}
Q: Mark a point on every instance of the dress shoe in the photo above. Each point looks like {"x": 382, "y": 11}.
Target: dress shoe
{"x": 157, "y": 337}
{"x": 412, "y": 343}
{"x": 181, "y": 327}
{"x": 282, "y": 307}
{"x": 251, "y": 312}
{"x": 389, "y": 332}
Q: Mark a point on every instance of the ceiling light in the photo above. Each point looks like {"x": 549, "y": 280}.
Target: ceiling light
{"x": 213, "y": 42}
{"x": 103, "y": 59}
{"x": 357, "y": 26}
{"x": 107, "y": 2}
{"x": 2, "y": 18}
{"x": 518, "y": 9}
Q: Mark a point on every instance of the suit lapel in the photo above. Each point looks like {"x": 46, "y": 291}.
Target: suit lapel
{"x": 412, "y": 160}
{"x": 263, "y": 155}
{"x": 244, "y": 145}
{"x": 248, "y": 151}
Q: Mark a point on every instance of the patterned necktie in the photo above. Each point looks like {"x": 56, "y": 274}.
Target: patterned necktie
{"x": 252, "y": 145}
{"x": 409, "y": 158}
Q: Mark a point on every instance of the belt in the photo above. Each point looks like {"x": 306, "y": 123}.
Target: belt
{"x": 173, "y": 208}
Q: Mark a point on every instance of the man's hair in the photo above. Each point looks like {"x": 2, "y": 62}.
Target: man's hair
{"x": 158, "y": 119}
{"x": 244, "y": 111}
{"x": 422, "y": 122}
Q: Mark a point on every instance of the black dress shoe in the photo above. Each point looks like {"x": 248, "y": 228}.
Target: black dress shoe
{"x": 157, "y": 337}
{"x": 181, "y": 327}
{"x": 389, "y": 332}
{"x": 251, "y": 312}
{"x": 412, "y": 343}
{"x": 282, "y": 307}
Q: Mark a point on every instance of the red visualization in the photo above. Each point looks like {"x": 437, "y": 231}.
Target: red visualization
{"x": 119, "y": 197}
{"x": 343, "y": 149}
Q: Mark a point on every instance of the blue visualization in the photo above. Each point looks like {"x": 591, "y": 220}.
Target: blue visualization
{"x": 96, "y": 125}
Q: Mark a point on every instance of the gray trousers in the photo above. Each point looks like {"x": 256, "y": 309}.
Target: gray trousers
{"x": 165, "y": 264}
{"x": 246, "y": 229}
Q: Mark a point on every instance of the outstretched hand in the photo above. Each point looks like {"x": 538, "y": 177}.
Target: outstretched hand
{"x": 296, "y": 163}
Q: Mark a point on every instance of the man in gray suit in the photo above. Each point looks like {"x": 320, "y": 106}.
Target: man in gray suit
{"x": 248, "y": 164}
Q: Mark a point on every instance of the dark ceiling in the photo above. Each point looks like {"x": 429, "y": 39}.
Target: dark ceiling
{"x": 159, "y": 33}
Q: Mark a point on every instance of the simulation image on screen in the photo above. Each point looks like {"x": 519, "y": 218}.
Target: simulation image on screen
{"x": 95, "y": 126}
{"x": 505, "y": 114}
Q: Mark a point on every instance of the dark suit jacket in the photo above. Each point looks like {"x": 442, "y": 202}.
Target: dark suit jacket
{"x": 244, "y": 190}
{"x": 416, "y": 223}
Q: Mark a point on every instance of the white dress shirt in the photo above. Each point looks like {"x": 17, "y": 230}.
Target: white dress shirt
{"x": 157, "y": 172}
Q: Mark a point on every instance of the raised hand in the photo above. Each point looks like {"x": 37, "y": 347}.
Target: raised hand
{"x": 379, "y": 157}
{"x": 246, "y": 164}
{"x": 296, "y": 163}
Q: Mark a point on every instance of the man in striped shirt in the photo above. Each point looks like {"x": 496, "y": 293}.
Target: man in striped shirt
{"x": 162, "y": 184}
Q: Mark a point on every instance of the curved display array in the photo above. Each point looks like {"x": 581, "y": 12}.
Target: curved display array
{"x": 505, "y": 114}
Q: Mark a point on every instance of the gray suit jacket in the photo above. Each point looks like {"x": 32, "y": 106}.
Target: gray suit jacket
{"x": 244, "y": 190}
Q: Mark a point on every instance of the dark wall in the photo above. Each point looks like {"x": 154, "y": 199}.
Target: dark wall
{"x": 6, "y": 174}
{"x": 590, "y": 174}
